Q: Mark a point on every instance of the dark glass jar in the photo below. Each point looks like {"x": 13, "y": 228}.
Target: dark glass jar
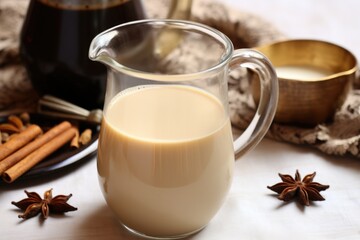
{"x": 55, "y": 40}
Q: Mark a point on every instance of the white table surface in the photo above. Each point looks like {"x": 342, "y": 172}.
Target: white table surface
{"x": 250, "y": 211}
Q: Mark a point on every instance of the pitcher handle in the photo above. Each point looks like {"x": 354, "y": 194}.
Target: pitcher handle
{"x": 265, "y": 112}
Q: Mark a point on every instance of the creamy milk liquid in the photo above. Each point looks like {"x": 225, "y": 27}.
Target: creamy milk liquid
{"x": 301, "y": 72}
{"x": 165, "y": 158}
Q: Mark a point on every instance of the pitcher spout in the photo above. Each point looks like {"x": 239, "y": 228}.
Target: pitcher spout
{"x": 124, "y": 47}
{"x": 101, "y": 49}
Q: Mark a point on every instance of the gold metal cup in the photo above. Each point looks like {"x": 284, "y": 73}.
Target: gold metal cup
{"x": 310, "y": 101}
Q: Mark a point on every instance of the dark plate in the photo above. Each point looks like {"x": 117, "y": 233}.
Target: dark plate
{"x": 65, "y": 156}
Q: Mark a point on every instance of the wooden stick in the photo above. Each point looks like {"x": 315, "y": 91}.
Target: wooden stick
{"x": 19, "y": 140}
{"x": 38, "y": 155}
{"x": 32, "y": 146}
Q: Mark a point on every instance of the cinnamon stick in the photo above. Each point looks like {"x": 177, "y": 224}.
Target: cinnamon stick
{"x": 75, "y": 141}
{"x": 38, "y": 155}
{"x": 32, "y": 146}
{"x": 85, "y": 137}
{"x": 19, "y": 140}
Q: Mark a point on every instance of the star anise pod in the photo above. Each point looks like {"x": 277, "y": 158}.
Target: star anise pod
{"x": 34, "y": 204}
{"x": 304, "y": 190}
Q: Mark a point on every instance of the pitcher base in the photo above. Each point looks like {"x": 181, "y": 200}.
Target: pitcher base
{"x": 142, "y": 235}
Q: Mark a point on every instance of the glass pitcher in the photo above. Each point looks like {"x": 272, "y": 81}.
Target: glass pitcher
{"x": 55, "y": 39}
{"x": 166, "y": 152}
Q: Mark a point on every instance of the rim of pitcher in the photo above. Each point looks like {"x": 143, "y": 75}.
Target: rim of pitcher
{"x": 209, "y": 31}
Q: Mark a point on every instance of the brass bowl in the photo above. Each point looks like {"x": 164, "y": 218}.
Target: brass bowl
{"x": 309, "y": 99}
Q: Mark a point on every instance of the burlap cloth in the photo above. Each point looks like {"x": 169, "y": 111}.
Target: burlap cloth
{"x": 339, "y": 137}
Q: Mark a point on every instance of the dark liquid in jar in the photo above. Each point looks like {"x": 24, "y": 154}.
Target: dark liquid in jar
{"x": 55, "y": 43}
